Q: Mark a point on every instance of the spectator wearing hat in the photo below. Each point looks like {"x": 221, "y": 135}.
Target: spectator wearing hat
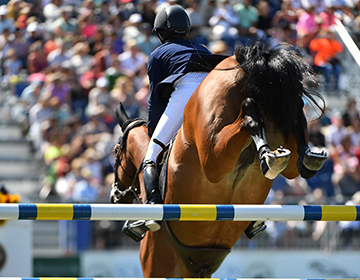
{"x": 5, "y": 21}
{"x": 52, "y": 11}
{"x": 131, "y": 30}
{"x": 99, "y": 95}
{"x": 33, "y": 32}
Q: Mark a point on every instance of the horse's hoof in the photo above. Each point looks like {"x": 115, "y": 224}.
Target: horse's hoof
{"x": 314, "y": 161}
{"x": 272, "y": 164}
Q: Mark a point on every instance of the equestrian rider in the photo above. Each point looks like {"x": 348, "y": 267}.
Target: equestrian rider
{"x": 173, "y": 78}
{"x": 175, "y": 69}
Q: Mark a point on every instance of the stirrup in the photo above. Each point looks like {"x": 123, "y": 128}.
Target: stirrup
{"x": 254, "y": 229}
{"x": 136, "y": 229}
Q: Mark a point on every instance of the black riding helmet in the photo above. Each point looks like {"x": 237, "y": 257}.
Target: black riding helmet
{"x": 171, "y": 22}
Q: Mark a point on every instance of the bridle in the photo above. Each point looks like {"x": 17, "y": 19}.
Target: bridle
{"x": 118, "y": 191}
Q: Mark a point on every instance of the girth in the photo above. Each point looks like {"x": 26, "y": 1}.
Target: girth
{"x": 201, "y": 262}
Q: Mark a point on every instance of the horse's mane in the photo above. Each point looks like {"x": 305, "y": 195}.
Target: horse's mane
{"x": 274, "y": 78}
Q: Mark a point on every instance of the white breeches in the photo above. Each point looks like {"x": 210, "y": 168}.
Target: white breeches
{"x": 172, "y": 118}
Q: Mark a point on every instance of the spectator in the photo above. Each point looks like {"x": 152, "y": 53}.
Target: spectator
{"x": 59, "y": 88}
{"x": 147, "y": 12}
{"x": 248, "y": 17}
{"x": 5, "y": 21}
{"x": 265, "y": 19}
{"x": 351, "y": 111}
{"x": 99, "y": 95}
{"x": 86, "y": 190}
{"x": 103, "y": 57}
{"x": 36, "y": 61}
{"x": 223, "y": 23}
{"x": 87, "y": 25}
{"x": 81, "y": 60}
{"x": 335, "y": 132}
{"x": 123, "y": 92}
{"x": 52, "y": 11}
{"x": 132, "y": 59}
{"x": 131, "y": 29}
{"x": 65, "y": 25}
{"x": 147, "y": 42}
{"x": 326, "y": 49}
{"x": 346, "y": 176}
{"x": 307, "y": 26}
{"x": 12, "y": 65}
{"x": 62, "y": 52}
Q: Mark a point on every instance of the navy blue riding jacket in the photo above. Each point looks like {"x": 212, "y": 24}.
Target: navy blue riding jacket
{"x": 166, "y": 64}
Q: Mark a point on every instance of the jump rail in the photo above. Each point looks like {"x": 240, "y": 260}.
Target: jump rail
{"x": 178, "y": 212}
{"x": 64, "y": 278}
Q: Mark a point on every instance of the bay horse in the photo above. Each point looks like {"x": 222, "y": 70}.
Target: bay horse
{"x": 239, "y": 129}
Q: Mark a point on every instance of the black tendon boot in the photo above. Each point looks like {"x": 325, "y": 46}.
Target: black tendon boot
{"x": 151, "y": 182}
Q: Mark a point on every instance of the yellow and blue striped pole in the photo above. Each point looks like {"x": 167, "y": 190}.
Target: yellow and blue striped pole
{"x": 178, "y": 212}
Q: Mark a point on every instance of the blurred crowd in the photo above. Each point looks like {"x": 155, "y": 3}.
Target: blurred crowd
{"x": 67, "y": 63}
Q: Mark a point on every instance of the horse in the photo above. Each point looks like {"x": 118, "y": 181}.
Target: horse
{"x": 239, "y": 130}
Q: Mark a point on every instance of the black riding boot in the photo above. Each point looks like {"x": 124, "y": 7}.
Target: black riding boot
{"x": 137, "y": 229}
{"x": 151, "y": 182}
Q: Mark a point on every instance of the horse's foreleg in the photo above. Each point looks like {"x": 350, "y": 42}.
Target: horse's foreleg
{"x": 271, "y": 162}
{"x": 309, "y": 162}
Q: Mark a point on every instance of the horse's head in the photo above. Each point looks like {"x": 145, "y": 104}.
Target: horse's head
{"x": 129, "y": 154}
{"x": 274, "y": 78}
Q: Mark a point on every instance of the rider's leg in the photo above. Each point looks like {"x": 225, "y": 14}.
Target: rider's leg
{"x": 166, "y": 128}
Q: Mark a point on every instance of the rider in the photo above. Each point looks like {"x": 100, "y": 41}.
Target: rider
{"x": 175, "y": 69}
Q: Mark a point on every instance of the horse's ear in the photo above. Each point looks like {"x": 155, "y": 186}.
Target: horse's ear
{"x": 121, "y": 116}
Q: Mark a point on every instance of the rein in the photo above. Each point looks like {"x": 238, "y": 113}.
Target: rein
{"x": 118, "y": 194}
